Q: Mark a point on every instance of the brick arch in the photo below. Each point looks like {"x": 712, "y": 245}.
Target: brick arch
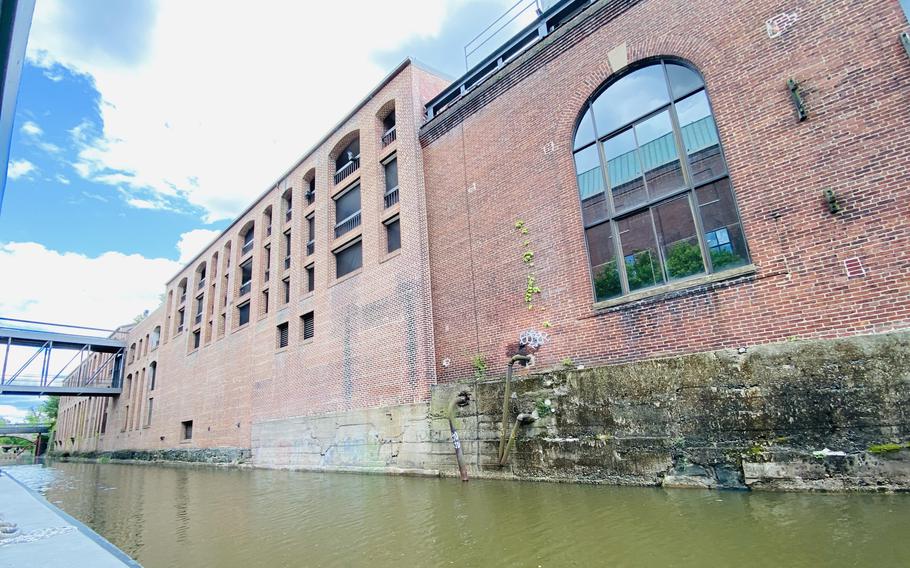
{"x": 700, "y": 55}
{"x": 385, "y": 109}
{"x": 341, "y": 145}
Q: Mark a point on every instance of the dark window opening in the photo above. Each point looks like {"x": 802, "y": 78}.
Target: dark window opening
{"x": 308, "y": 325}
{"x": 347, "y": 211}
{"x": 148, "y": 416}
{"x": 282, "y": 335}
{"x": 243, "y": 314}
{"x": 286, "y": 287}
{"x": 349, "y": 259}
{"x": 196, "y": 337}
{"x": 186, "y": 430}
{"x": 310, "y": 278}
{"x": 393, "y": 235}
{"x": 391, "y": 183}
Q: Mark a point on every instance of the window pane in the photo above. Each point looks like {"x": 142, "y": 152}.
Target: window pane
{"x": 657, "y": 145}
{"x": 683, "y": 80}
{"x": 310, "y": 278}
{"x": 590, "y": 185}
{"x": 246, "y": 272}
{"x": 603, "y": 262}
{"x": 639, "y": 251}
{"x": 624, "y": 170}
{"x": 243, "y": 314}
{"x": 723, "y": 231}
{"x": 393, "y": 236}
{"x": 676, "y": 232}
{"x": 348, "y": 260}
{"x": 699, "y": 134}
{"x": 347, "y": 204}
{"x": 585, "y": 133}
{"x": 630, "y": 98}
{"x": 391, "y": 175}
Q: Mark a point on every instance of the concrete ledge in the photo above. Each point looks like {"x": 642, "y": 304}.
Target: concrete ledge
{"x": 47, "y": 536}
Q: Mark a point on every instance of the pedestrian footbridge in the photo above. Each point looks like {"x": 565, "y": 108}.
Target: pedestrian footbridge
{"x": 39, "y": 358}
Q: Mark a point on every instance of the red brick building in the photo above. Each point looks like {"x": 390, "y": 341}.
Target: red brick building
{"x": 634, "y": 178}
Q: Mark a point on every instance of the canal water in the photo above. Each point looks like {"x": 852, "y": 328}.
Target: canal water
{"x": 198, "y": 516}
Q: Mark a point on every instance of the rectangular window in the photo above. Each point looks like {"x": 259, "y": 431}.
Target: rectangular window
{"x": 348, "y": 259}
{"x": 287, "y": 250}
{"x": 286, "y": 288}
{"x": 391, "y": 182}
{"x": 308, "y": 325}
{"x": 311, "y": 194}
{"x": 246, "y": 277}
{"x": 148, "y": 416}
{"x": 243, "y": 314}
{"x": 267, "y": 261}
{"x": 153, "y": 374}
{"x": 310, "y": 278}
{"x": 265, "y": 302}
{"x": 393, "y": 235}
{"x": 196, "y": 336}
{"x": 186, "y": 430}
{"x": 347, "y": 211}
{"x": 282, "y": 335}
{"x": 310, "y": 234}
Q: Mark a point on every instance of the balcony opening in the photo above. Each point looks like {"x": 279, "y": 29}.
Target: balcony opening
{"x": 390, "y": 168}
{"x": 310, "y": 181}
{"x": 347, "y": 161}
{"x": 248, "y": 236}
{"x": 246, "y": 277}
{"x": 267, "y": 220}
{"x": 287, "y": 203}
{"x": 388, "y": 128}
{"x": 347, "y": 211}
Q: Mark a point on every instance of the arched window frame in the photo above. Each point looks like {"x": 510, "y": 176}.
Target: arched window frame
{"x": 687, "y": 190}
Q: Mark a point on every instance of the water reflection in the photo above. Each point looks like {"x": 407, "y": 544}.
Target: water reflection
{"x": 167, "y": 516}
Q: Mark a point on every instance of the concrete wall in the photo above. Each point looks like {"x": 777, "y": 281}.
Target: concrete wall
{"x": 720, "y": 419}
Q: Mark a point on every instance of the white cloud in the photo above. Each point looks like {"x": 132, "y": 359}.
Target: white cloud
{"x": 196, "y": 112}
{"x": 31, "y": 129}
{"x": 62, "y": 179}
{"x": 193, "y": 242}
{"x": 64, "y": 287}
{"x": 12, "y": 414}
{"x": 20, "y": 168}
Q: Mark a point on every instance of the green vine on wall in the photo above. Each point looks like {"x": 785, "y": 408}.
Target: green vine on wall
{"x": 527, "y": 257}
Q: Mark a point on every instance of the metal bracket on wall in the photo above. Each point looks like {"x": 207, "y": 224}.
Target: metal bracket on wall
{"x": 797, "y": 97}
{"x": 905, "y": 41}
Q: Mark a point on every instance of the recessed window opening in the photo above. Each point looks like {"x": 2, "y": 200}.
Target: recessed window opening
{"x": 287, "y": 199}
{"x": 310, "y": 278}
{"x": 243, "y": 314}
{"x": 656, "y": 199}
{"x": 347, "y": 211}
{"x": 311, "y": 234}
{"x": 282, "y": 335}
{"x": 393, "y": 235}
{"x": 286, "y": 289}
{"x": 196, "y": 338}
{"x": 308, "y": 326}
{"x": 388, "y": 127}
{"x": 348, "y": 259}
{"x": 248, "y": 238}
{"x": 311, "y": 188}
{"x": 348, "y": 160}
{"x": 186, "y": 430}
{"x": 391, "y": 182}
{"x": 246, "y": 277}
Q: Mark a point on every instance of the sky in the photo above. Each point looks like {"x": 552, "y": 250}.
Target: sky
{"x": 143, "y": 128}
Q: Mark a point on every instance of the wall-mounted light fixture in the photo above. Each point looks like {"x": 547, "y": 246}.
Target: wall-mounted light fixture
{"x": 831, "y": 200}
{"x": 797, "y": 97}
{"x": 905, "y": 41}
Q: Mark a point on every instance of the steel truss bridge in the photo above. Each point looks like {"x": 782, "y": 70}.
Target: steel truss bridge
{"x": 38, "y": 359}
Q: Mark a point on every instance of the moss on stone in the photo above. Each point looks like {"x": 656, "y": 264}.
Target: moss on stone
{"x": 887, "y": 448}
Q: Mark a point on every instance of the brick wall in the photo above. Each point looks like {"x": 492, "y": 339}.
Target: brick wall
{"x": 504, "y": 152}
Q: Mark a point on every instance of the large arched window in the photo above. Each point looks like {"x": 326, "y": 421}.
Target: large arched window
{"x": 656, "y": 199}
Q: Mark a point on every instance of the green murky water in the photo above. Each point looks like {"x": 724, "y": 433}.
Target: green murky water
{"x": 181, "y": 516}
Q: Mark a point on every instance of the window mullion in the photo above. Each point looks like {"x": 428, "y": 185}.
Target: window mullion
{"x": 700, "y": 233}
{"x": 660, "y": 249}
{"x": 620, "y": 260}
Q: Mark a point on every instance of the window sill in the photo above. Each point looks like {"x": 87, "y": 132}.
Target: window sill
{"x": 241, "y": 327}
{"x": 343, "y": 185}
{"x": 307, "y": 341}
{"x": 346, "y": 238}
{"x": 390, "y": 256}
{"x": 676, "y": 286}
{"x": 307, "y": 295}
{"x": 281, "y": 350}
{"x": 386, "y": 152}
{"x": 347, "y": 276}
{"x": 390, "y": 212}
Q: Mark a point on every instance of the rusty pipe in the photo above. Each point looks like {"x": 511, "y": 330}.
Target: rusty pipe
{"x": 460, "y": 399}
{"x": 506, "y": 396}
